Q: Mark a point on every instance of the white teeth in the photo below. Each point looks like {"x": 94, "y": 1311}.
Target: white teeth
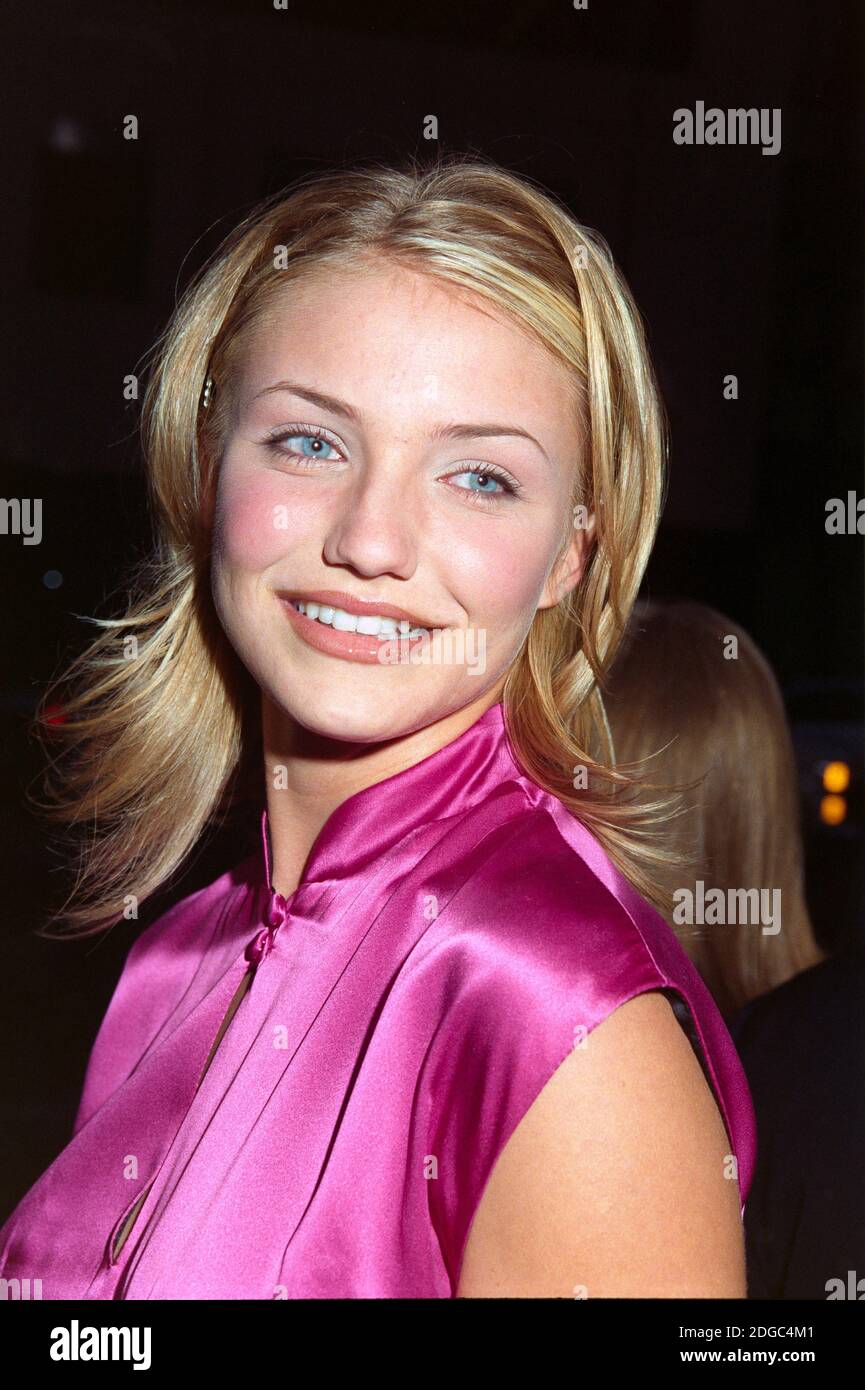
{"x": 371, "y": 626}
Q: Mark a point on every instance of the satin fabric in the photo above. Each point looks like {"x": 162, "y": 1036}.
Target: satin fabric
{"x": 455, "y": 933}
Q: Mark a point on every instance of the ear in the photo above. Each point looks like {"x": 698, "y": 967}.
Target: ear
{"x": 570, "y": 566}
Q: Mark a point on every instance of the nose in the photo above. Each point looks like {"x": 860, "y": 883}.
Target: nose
{"x": 377, "y": 523}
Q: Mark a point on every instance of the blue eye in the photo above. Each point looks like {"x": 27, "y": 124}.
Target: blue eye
{"x": 308, "y": 443}
{"x": 490, "y": 476}
{"x": 312, "y": 445}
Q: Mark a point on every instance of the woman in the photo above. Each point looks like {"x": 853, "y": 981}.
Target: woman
{"x": 691, "y": 691}
{"x": 421, "y": 1044}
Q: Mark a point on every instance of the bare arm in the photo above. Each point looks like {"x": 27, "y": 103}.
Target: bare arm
{"x": 614, "y": 1181}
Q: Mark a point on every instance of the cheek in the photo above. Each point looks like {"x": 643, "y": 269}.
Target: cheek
{"x": 254, "y": 523}
{"x": 500, "y": 573}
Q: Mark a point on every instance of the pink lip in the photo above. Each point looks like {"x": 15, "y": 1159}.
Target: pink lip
{"x": 351, "y": 646}
{"x": 361, "y": 607}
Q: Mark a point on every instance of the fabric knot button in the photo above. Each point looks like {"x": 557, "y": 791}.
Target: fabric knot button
{"x": 259, "y": 946}
{"x": 277, "y": 911}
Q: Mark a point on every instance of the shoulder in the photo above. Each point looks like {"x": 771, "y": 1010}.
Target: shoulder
{"x": 617, "y": 1180}
{"x": 531, "y": 952}
{"x": 156, "y": 975}
{"x": 568, "y": 936}
{"x": 189, "y": 922}
{"x": 547, "y": 936}
{"x": 548, "y": 949}
{"x": 196, "y": 938}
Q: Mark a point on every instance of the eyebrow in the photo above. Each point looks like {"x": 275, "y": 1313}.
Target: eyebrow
{"x": 456, "y": 431}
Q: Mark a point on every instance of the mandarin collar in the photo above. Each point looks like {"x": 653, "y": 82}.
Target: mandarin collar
{"x": 372, "y": 820}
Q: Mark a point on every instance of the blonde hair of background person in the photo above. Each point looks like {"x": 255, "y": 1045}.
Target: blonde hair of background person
{"x": 703, "y": 718}
{"x": 155, "y": 748}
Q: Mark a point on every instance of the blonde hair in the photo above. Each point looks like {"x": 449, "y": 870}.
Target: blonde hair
{"x": 676, "y": 696}
{"x": 162, "y": 731}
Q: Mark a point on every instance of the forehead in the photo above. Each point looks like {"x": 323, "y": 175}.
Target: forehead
{"x": 381, "y": 327}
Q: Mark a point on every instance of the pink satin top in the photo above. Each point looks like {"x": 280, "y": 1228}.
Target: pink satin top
{"x": 455, "y": 933}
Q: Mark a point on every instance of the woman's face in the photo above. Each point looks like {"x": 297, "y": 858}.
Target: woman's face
{"x": 397, "y": 442}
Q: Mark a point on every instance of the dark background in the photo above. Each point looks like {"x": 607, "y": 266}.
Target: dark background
{"x": 741, "y": 263}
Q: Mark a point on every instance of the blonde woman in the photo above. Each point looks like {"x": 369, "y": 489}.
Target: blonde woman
{"x": 693, "y": 695}
{"x": 407, "y": 460}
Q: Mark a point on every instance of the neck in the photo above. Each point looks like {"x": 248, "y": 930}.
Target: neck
{"x": 308, "y": 775}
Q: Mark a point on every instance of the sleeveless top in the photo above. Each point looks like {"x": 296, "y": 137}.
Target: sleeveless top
{"x": 455, "y": 933}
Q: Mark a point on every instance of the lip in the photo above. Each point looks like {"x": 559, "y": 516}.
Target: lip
{"x": 360, "y": 607}
{"x": 350, "y": 646}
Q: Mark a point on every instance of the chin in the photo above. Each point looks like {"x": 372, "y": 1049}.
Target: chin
{"x": 352, "y": 712}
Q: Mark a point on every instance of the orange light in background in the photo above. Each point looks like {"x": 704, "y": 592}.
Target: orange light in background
{"x": 836, "y": 777}
{"x": 833, "y": 810}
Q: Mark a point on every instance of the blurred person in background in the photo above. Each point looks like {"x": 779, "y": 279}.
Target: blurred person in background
{"x": 692, "y": 693}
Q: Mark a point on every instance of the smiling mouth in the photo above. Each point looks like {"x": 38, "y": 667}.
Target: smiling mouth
{"x": 377, "y": 625}
{"x": 350, "y": 637}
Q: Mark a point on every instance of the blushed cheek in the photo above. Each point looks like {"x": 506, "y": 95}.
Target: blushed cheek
{"x": 255, "y": 523}
{"x": 503, "y": 580}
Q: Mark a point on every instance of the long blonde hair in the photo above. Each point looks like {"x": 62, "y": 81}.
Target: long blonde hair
{"x": 684, "y": 696}
{"x": 159, "y": 729}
